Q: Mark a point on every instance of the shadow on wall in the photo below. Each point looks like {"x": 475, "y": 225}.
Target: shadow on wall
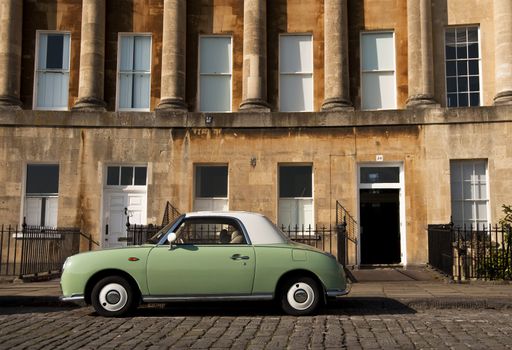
{"x": 277, "y": 23}
{"x": 119, "y": 19}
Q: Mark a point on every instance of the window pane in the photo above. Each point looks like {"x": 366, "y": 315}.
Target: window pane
{"x": 211, "y": 181}
{"x": 296, "y": 93}
{"x": 473, "y": 67}
{"x": 126, "y": 53}
{"x": 295, "y": 54}
{"x": 142, "y": 56}
{"x": 215, "y": 55}
{"x": 140, "y": 176}
{"x": 141, "y": 90}
{"x": 463, "y": 84}
{"x": 451, "y": 84}
{"x": 473, "y": 34}
{"x": 378, "y": 51}
{"x": 474, "y": 84}
{"x": 54, "y": 51}
{"x": 113, "y": 176}
{"x": 450, "y": 52}
{"x": 125, "y": 90}
{"x": 295, "y": 181}
{"x": 215, "y": 93}
{"x": 380, "y": 175}
{"x": 452, "y": 100}
{"x": 462, "y": 51}
{"x": 379, "y": 91}
{"x": 463, "y": 100}
{"x": 474, "y": 99}
{"x": 473, "y": 50}
{"x": 461, "y": 35}
{"x": 126, "y": 176}
{"x": 451, "y": 68}
{"x": 42, "y": 179}
{"x": 462, "y": 68}
{"x": 450, "y": 36}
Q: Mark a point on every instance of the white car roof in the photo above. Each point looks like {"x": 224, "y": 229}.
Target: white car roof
{"x": 259, "y": 228}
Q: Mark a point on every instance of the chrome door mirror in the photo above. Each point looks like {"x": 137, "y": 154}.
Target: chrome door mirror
{"x": 171, "y": 238}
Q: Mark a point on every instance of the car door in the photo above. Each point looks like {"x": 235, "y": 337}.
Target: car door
{"x": 202, "y": 262}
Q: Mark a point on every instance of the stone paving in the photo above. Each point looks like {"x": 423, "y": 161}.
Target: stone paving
{"x": 255, "y": 327}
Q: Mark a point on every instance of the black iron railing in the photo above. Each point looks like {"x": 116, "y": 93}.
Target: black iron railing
{"x": 471, "y": 253}
{"x": 34, "y": 250}
{"x": 349, "y": 233}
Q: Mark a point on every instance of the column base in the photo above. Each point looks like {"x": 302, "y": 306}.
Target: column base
{"x": 89, "y": 104}
{"x": 10, "y": 103}
{"x": 421, "y": 101}
{"x": 172, "y": 104}
{"x": 254, "y": 105}
{"x": 336, "y": 105}
{"x": 503, "y": 98}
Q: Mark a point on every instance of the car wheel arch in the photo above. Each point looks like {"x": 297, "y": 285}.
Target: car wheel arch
{"x": 296, "y": 274}
{"x": 98, "y": 276}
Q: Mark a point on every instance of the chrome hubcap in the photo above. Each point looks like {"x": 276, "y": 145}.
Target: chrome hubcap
{"x": 300, "y": 296}
{"x": 113, "y": 297}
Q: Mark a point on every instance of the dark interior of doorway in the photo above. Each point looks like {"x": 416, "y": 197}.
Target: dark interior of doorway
{"x": 380, "y": 226}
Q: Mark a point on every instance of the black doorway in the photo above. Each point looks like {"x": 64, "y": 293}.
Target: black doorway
{"x": 380, "y": 226}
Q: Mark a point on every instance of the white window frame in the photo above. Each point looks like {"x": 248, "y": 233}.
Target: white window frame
{"x": 312, "y": 73}
{"x": 119, "y": 72}
{"x": 200, "y": 74}
{"x": 38, "y": 71}
{"x": 480, "y": 72}
{"x": 474, "y": 220}
{"x": 212, "y": 199}
{"x": 362, "y": 71}
{"x": 40, "y": 196}
{"x": 312, "y": 198}
{"x": 126, "y": 187}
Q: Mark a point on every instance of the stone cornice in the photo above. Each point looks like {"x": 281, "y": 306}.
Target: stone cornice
{"x": 169, "y": 119}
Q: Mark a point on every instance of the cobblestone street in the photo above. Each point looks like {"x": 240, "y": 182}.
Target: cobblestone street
{"x": 255, "y": 327}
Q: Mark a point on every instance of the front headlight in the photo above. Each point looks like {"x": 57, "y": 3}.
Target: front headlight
{"x": 66, "y": 263}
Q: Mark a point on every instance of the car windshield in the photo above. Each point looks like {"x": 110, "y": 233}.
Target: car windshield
{"x": 164, "y": 230}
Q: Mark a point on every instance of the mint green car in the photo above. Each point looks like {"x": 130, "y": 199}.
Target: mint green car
{"x": 206, "y": 256}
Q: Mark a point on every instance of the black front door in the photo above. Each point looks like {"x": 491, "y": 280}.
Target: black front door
{"x": 380, "y": 226}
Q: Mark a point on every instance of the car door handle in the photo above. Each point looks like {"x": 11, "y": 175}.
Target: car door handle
{"x": 239, "y": 257}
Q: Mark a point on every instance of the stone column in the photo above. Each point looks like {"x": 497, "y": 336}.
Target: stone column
{"x": 11, "y": 18}
{"x": 92, "y": 57}
{"x": 254, "y": 88}
{"x": 503, "y": 51}
{"x": 172, "y": 92}
{"x": 420, "y": 54}
{"x": 336, "y": 76}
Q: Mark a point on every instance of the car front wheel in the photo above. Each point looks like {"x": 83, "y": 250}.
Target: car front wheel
{"x": 112, "y": 296}
{"x": 300, "y": 296}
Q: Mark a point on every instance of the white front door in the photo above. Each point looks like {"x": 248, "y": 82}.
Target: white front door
{"x": 118, "y": 205}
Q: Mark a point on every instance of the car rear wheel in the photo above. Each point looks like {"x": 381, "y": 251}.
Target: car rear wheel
{"x": 112, "y": 296}
{"x": 300, "y": 296}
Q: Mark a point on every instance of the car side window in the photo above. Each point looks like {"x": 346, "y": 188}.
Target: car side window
{"x": 211, "y": 232}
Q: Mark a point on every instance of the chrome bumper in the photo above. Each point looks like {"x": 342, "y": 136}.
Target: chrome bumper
{"x": 75, "y": 298}
{"x": 336, "y": 293}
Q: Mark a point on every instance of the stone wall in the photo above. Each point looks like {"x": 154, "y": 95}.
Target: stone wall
{"x": 423, "y": 141}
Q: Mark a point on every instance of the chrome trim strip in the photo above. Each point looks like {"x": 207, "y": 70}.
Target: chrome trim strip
{"x": 333, "y": 293}
{"x": 74, "y": 297}
{"x": 165, "y": 298}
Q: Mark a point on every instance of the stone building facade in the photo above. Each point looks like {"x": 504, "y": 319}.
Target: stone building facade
{"x": 400, "y": 110}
